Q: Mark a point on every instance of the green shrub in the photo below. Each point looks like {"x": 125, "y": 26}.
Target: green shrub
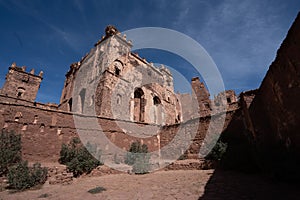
{"x": 78, "y": 158}
{"x": 138, "y": 157}
{"x": 135, "y": 149}
{"x": 218, "y": 151}
{"x": 21, "y": 176}
{"x": 183, "y": 157}
{"x": 38, "y": 174}
{"x": 141, "y": 164}
{"x": 10, "y": 150}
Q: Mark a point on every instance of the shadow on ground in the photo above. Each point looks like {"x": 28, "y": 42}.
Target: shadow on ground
{"x": 225, "y": 185}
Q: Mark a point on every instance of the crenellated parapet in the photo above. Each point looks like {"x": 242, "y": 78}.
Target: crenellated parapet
{"x": 14, "y": 67}
{"x": 112, "y": 31}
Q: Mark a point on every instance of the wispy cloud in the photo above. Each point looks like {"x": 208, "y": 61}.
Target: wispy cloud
{"x": 241, "y": 36}
{"x": 27, "y": 8}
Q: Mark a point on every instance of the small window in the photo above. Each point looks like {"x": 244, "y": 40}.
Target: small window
{"x": 207, "y": 106}
{"x": 18, "y": 116}
{"x": 118, "y": 66}
{"x": 42, "y": 128}
{"x": 65, "y": 94}
{"x": 82, "y": 98}
{"x": 92, "y": 100}
{"x": 35, "y": 120}
{"x": 59, "y": 131}
{"x": 156, "y": 100}
{"x": 119, "y": 99}
{"x": 24, "y": 128}
{"x": 117, "y": 71}
{"x": 70, "y": 104}
{"x": 20, "y": 92}
{"x": 228, "y": 100}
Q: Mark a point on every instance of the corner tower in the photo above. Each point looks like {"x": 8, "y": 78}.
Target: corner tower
{"x": 110, "y": 47}
{"x": 21, "y": 84}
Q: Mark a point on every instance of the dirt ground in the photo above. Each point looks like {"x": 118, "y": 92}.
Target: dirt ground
{"x": 169, "y": 185}
{"x": 177, "y": 184}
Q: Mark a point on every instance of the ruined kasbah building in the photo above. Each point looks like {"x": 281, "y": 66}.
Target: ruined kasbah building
{"x": 121, "y": 91}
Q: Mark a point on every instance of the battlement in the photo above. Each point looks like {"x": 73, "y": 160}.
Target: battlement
{"x": 22, "y": 69}
{"x": 110, "y": 31}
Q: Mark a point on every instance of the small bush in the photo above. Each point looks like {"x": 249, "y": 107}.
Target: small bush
{"x": 138, "y": 157}
{"x": 10, "y": 150}
{"x": 135, "y": 149}
{"x": 38, "y": 174}
{"x": 97, "y": 190}
{"x": 21, "y": 176}
{"x": 141, "y": 164}
{"x": 78, "y": 158}
{"x": 183, "y": 157}
{"x": 218, "y": 151}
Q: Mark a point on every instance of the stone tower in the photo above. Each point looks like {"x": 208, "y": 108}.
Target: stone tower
{"x": 110, "y": 47}
{"x": 21, "y": 84}
{"x": 113, "y": 82}
{"x": 202, "y": 95}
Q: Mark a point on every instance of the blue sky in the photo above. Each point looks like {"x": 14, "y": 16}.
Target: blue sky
{"x": 242, "y": 37}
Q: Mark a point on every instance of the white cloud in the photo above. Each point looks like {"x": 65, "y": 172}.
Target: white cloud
{"x": 241, "y": 36}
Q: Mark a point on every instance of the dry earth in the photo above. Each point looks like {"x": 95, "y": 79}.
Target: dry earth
{"x": 176, "y": 184}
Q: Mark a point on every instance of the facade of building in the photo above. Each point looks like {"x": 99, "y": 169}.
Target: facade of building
{"x": 111, "y": 84}
{"x": 119, "y": 84}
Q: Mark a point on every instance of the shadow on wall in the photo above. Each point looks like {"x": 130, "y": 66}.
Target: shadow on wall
{"x": 241, "y": 172}
{"x": 248, "y": 171}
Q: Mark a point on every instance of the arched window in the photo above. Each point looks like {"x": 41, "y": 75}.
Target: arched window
{"x": 82, "y": 99}
{"x": 42, "y": 128}
{"x": 92, "y": 100}
{"x": 157, "y": 110}
{"x": 119, "y": 99}
{"x": 18, "y": 116}
{"x": 35, "y": 120}
{"x": 24, "y": 128}
{"x": 118, "y": 66}
{"x": 117, "y": 71}
{"x": 20, "y": 92}
{"x": 139, "y": 105}
{"x": 178, "y": 119}
{"x": 156, "y": 100}
{"x": 70, "y": 102}
{"x": 59, "y": 131}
